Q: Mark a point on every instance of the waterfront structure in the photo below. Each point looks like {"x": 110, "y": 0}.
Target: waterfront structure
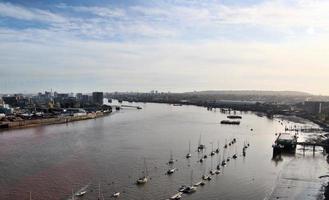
{"x": 97, "y": 98}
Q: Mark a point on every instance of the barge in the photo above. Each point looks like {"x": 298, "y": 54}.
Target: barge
{"x": 230, "y": 122}
{"x": 234, "y": 117}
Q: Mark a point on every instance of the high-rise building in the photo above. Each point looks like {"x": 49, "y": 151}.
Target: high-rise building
{"x": 98, "y": 98}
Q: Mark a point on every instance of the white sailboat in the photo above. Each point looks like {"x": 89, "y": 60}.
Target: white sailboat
{"x": 171, "y": 171}
{"x": 189, "y": 155}
{"x": 144, "y": 178}
{"x": 212, "y": 153}
{"x": 115, "y": 194}
{"x": 82, "y": 191}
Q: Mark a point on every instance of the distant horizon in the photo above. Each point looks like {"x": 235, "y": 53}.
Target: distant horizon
{"x": 158, "y": 91}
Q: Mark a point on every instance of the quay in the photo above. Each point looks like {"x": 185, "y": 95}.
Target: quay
{"x": 286, "y": 142}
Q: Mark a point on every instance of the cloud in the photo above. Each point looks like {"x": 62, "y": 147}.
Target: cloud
{"x": 31, "y": 14}
{"x": 177, "y": 47}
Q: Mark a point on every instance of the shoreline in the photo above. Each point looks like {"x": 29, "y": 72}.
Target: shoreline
{"x": 49, "y": 121}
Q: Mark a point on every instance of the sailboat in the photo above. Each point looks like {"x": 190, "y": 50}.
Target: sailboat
{"x": 142, "y": 180}
{"x": 212, "y": 171}
{"x": 171, "y": 160}
{"x": 217, "y": 150}
{"x": 82, "y": 191}
{"x": 218, "y": 164}
{"x": 115, "y": 194}
{"x": 205, "y": 154}
{"x": 223, "y": 160}
{"x": 188, "y": 155}
{"x": 204, "y": 176}
{"x": 212, "y": 153}
{"x": 191, "y": 188}
{"x": 171, "y": 171}
{"x": 235, "y": 156}
{"x": 200, "y": 146}
{"x": 244, "y": 152}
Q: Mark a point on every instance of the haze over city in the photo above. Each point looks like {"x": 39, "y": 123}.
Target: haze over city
{"x": 167, "y": 45}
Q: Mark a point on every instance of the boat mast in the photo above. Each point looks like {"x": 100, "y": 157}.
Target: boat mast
{"x": 99, "y": 191}
{"x": 72, "y": 195}
{"x": 145, "y": 168}
{"x": 189, "y": 146}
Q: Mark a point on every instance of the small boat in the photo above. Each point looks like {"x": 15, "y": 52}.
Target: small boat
{"x": 234, "y": 156}
{"x": 206, "y": 178}
{"x": 80, "y": 193}
{"x": 223, "y": 163}
{"x": 212, "y": 153}
{"x": 201, "y": 146}
{"x": 225, "y": 146}
{"x": 190, "y": 189}
{"x": 205, "y": 156}
{"x": 217, "y": 172}
{"x": 199, "y": 183}
{"x": 201, "y": 160}
{"x": 228, "y": 159}
{"x": 182, "y": 188}
{"x": 142, "y": 180}
{"x": 116, "y": 194}
{"x": 171, "y": 171}
{"x": 176, "y": 196}
{"x": 171, "y": 160}
{"x": 189, "y": 155}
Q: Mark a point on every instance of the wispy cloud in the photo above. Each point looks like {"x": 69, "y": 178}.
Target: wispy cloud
{"x": 32, "y": 14}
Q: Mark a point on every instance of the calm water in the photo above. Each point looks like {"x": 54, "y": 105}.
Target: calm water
{"x": 50, "y": 161}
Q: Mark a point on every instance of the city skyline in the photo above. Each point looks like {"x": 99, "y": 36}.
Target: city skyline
{"x": 163, "y": 45}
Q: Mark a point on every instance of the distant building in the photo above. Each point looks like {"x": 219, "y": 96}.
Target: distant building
{"x": 10, "y": 100}
{"x": 316, "y": 107}
{"x": 97, "y": 98}
{"x": 79, "y": 96}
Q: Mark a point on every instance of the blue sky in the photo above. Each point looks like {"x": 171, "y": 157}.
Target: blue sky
{"x": 167, "y": 45}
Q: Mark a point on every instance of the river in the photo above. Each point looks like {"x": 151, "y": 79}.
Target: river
{"x": 51, "y": 161}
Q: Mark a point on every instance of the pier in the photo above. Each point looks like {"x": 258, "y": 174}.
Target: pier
{"x": 313, "y": 145}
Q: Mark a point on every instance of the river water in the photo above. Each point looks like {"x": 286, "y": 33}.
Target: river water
{"x": 51, "y": 161}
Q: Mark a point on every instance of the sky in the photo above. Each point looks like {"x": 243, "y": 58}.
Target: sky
{"x": 164, "y": 45}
